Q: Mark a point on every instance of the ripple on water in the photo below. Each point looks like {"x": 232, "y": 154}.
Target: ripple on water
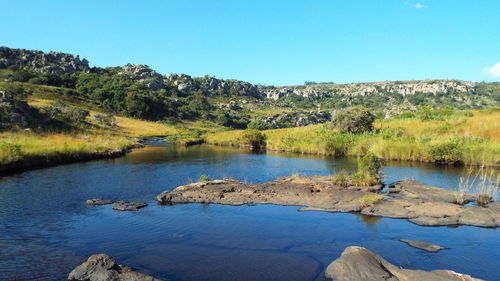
{"x": 46, "y": 229}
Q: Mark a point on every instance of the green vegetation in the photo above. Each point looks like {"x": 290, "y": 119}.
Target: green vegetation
{"x": 354, "y": 120}
{"x": 368, "y": 174}
{"x": 468, "y": 137}
{"x": 370, "y": 199}
{"x": 252, "y": 139}
{"x": 204, "y": 178}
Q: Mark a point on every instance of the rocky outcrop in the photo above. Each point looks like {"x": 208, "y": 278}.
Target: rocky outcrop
{"x": 403, "y": 88}
{"x": 357, "y": 263}
{"x": 117, "y": 205}
{"x": 213, "y": 86}
{"x": 419, "y": 203}
{"x": 423, "y": 245}
{"x": 144, "y": 74}
{"x": 18, "y": 113}
{"x": 102, "y": 267}
{"x": 98, "y": 202}
{"x": 128, "y": 206}
{"x": 298, "y": 118}
{"x": 52, "y": 62}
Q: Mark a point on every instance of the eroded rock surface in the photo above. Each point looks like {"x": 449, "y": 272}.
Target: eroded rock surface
{"x": 357, "y": 263}
{"x": 102, "y": 267}
{"x": 421, "y": 204}
{"x": 128, "y": 206}
{"x": 423, "y": 245}
{"x": 97, "y": 201}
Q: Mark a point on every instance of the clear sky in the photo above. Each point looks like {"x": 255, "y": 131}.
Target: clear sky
{"x": 269, "y": 42}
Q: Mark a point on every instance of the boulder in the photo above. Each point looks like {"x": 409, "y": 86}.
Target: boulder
{"x": 423, "y": 245}
{"x": 128, "y": 206}
{"x": 101, "y": 267}
{"x": 358, "y": 263}
{"x": 97, "y": 201}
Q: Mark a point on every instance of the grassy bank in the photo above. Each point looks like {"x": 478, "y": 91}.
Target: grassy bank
{"x": 464, "y": 137}
{"x": 21, "y": 149}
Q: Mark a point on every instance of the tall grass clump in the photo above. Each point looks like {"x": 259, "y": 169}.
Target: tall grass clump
{"x": 368, "y": 174}
{"x": 488, "y": 185}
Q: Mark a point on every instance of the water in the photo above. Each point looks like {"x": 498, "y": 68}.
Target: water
{"x": 46, "y": 229}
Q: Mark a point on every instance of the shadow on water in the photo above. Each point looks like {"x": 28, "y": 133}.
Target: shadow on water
{"x": 46, "y": 229}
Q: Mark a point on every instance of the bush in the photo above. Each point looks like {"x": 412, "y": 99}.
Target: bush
{"x": 9, "y": 152}
{"x": 354, "y": 120}
{"x": 370, "y": 164}
{"x": 446, "y": 152}
{"x": 105, "y": 119}
{"x": 370, "y": 199}
{"x": 260, "y": 125}
{"x": 68, "y": 113}
{"x": 253, "y": 138}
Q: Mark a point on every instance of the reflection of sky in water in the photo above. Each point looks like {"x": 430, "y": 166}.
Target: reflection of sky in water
{"x": 46, "y": 229}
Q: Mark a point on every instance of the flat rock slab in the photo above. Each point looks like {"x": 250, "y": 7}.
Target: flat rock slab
{"x": 358, "y": 263}
{"x": 97, "y": 201}
{"x": 419, "y": 203}
{"x": 101, "y": 267}
{"x": 423, "y": 245}
{"x": 128, "y": 206}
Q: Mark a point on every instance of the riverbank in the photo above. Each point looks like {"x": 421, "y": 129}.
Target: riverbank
{"x": 467, "y": 138}
{"x": 22, "y": 150}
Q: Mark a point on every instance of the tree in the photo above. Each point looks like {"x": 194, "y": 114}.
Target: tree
{"x": 354, "y": 120}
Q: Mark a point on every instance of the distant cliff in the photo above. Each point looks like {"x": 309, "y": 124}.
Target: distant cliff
{"x": 403, "y": 88}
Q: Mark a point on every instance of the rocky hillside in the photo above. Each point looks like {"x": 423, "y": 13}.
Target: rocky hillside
{"x": 53, "y": 62}
{"x": 403, "y": 88}
{"x": 138, "y": 91}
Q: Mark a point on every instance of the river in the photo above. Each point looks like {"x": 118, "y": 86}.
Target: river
{"x": 46, "y": 229}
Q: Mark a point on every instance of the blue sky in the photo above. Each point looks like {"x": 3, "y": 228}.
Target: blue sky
{"x": 269, "y": 42}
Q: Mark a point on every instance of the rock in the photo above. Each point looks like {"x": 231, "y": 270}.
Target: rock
{"x": 102, "y": 267}
{"x": 357, "y": 263}
{"x": 415, "y": 189}
{"x": 423, "y": 245}
{"x": 96, "y": 201}
{"x": 419, "y": 203}
{"x": 128, "y": 206}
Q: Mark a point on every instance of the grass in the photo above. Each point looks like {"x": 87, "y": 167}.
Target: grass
{"x": 370, "y": 199}
{"x": 22, "y": 148}
{"x": 471, "y": 140}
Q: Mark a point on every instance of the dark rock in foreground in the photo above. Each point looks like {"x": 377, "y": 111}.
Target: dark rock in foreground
{"x": 97, "y": 201}
{"x": 128, "y": 206}
{"x": 102, "y": 267}
{"x": 408, "y": 199}
{"x": 423, "y": 245}
{"x": 357, "y": 263}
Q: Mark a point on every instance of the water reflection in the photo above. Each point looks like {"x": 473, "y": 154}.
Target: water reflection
{"x": 46, "y": 229}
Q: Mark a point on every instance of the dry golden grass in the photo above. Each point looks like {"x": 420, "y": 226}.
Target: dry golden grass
{"x": 19, "y": 146}
{"x": 473, "y": 140}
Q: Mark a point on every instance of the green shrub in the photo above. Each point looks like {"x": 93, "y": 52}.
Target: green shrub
{"x": 253, "y": 138}
{"x": 260, "y": 125}
{"x": 370, "y": 164}
{"x": 449, "y": 151}
{"x": 9, "y": 152}
{"x": 341, "y": 179}
{"x": 354, "y": 120}
{"x": 204, "y": 178}
{"x": 105, "y": 119}
{"x": 370, "y": 199}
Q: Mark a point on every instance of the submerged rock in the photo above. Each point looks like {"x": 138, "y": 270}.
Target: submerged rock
{"x": 423, "y": 245}
{"x": 128, "y": 206}
{"x": 102, "y": 267}
{"x": 97, "y": 201}
{"x": 419, "y": 203}
{"x": 357, "y": 263}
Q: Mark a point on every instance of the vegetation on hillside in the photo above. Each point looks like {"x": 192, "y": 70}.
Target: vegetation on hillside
{"x": 468, "y": 137}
